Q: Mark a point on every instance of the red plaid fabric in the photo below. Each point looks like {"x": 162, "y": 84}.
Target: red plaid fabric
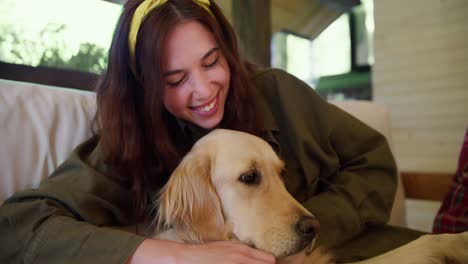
{"x": 452, "y": 216}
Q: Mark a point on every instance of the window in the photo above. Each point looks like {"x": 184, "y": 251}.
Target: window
{"x": 336, "y": 63}
{"x": 54, "y": 33}
{"x": 293, "y": 53}
{"x": 332, "y": 49}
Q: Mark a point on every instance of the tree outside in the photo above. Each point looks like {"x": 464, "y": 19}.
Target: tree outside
{"x": 41, "y": 38}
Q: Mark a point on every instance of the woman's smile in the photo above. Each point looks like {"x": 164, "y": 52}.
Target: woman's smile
{"x": 207, "y": 109}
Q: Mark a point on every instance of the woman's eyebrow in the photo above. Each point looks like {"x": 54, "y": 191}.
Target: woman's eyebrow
{"x": 172, "y": 72}
{"x": 211, "y": 51}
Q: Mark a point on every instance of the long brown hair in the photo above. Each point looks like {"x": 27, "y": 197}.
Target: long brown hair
{"x": 138, "y": 136}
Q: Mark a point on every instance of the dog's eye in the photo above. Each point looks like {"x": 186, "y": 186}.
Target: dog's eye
{"x": 251, "y": 177}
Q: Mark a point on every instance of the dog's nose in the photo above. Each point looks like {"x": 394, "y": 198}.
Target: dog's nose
{"x": 307, "y": 226}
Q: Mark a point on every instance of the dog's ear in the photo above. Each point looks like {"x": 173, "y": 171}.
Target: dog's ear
{"x": 189, "y": 202}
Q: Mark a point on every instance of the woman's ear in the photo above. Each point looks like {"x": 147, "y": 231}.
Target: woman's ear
{"x": 189, "y": 202}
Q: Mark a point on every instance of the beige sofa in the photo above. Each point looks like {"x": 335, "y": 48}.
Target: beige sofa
{"x": 40, "y": 125}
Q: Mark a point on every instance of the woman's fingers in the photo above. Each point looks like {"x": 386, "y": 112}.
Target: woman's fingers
{"x": 261, "y": 256}
{"x": 231, "y": 252}
{"x": 222, "y": 252}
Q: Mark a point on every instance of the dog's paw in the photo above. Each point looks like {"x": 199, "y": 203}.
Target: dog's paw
{"x": 458, "y": 250}
{"x": 446, "y": 248}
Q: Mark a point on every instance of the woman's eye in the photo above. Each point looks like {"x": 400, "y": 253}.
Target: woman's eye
{"x": 174, "y": 82}
{"x": 212, "y": 63}
{"x": 250, "y": 178}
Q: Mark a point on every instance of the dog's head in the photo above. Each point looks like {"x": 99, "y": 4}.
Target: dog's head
{"x": 230, "y": 187}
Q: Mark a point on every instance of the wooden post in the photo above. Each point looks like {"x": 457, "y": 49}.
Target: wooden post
{"x": 252, "y": 22}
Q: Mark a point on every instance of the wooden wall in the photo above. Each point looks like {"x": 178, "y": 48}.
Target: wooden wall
{"x": 421, "y": 75}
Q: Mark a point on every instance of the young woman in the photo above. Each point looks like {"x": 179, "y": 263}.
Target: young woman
{"x": 174, "y": 74}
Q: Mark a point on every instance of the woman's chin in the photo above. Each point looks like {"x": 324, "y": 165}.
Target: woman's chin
{"x": 209, "y": 123}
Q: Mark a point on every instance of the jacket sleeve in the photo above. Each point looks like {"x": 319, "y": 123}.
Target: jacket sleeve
{"x": 339, "y": 168}
{"x": 360, "y": 190}
{"x": 64, "y": 221}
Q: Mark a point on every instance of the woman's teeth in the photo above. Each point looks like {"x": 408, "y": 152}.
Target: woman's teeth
{"x": 208, "y": 107}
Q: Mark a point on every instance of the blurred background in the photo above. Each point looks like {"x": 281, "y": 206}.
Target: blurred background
{"x": 409, "y": 56}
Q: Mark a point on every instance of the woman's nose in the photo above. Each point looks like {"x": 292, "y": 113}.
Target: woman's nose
{"x": 201, "y": 85}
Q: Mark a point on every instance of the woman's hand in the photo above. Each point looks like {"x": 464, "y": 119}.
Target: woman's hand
{"x": 227, "y": 252}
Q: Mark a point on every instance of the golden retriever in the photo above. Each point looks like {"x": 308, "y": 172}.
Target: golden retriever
{"x": 229, "y": 187}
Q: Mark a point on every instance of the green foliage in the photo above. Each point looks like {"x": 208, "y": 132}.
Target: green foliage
{"x": 90, "y": 58}
{"x": 50, "y": 49}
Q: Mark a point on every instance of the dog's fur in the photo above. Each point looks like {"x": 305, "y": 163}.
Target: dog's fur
{"x": 229, "y": 187}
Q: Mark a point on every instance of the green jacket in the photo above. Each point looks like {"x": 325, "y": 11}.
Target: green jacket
{"x": 339, "y": 168}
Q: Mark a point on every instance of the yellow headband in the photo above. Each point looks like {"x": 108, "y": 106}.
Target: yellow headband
{"x": 140, "y": 13}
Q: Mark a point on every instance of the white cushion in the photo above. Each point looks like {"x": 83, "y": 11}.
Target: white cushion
{"x": 40, "y": 125}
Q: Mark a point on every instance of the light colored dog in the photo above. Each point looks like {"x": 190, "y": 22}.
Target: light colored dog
{"x": 229, "y": 187}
